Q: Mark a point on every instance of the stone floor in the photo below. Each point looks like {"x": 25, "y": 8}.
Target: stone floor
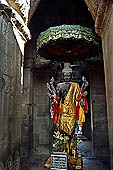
{"x": 89, "y": 161}
{"x": 36, "y": 162}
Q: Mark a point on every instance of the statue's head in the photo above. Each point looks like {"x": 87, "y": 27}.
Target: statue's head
{"x": 67, "y": 72}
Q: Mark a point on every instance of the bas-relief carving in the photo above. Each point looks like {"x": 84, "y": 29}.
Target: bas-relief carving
{"x": 2, "y": 82}
{"x": 22, "y": 7}
{"x": 20, "y": 10}
{"x": 16, "y": 161}
{"x": 10, "y": 163}
{"x": 1, "y": 166}
{"x": 18, "y": 18}
{"x": 8, "y": 85}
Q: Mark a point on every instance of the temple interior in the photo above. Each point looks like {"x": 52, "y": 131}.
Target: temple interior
{"x": 56, "y": 57}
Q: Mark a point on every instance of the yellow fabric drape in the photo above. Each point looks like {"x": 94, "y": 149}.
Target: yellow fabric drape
{"x": 81, "y": 116}
{"x": 67, "y": 115}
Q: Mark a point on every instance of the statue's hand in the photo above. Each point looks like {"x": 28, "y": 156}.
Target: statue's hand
{"x": 85, "y": 93}
{"x": 52, "y": 80}
{"x": 52, "y": 85}
{"x": 86, "y": 83}
{"x": 47, "y": 85}
{"x": 81, "y": 103}
{"x": 83, "y": 78}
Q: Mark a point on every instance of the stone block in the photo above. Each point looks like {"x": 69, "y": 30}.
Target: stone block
{"x": 42, "y": 149}
{"x": 25, "y": 131}
{"x": 44, "y": 139}
{"x": 42, "y": 119}
{"x": 41, "y": 110}
{"x": 99, "y": 99}
{"x": 41, "y": 98}
{"x": 24, "y": 153}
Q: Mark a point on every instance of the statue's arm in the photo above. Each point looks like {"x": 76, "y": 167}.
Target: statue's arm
{"x": 58, "y": 90}
{"x": 51, "y": 89}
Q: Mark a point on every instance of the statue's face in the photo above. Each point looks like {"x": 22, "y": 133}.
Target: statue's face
{"x": 67, "y": 76}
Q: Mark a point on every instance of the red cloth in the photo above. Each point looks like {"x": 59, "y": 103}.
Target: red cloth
{"x": 80, "y": 97}
{"x": 77, "y": 111}
{"x": 86, "y": 105}
{"x": 56, "y": 110}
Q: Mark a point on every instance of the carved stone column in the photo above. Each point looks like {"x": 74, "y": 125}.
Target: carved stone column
{"x": 27, "y": 103}
{"x": 107, "y": 44}
{"x": 99, "y": 122}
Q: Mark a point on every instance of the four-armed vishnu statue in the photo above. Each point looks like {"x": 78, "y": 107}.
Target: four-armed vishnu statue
{"x": 68, "y": 102}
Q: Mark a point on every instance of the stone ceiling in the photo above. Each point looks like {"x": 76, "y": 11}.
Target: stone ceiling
{"x": 53, "y": 13}
{"x": 99, "y": 10}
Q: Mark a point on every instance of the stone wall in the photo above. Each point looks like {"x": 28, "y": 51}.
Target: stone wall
{"x": 36, "y": 126}
{"x": 99, "y": 124}
{"x": 10, "y": 95}
{"x": 107, "y": 41}
{"x": 42, "y": 124}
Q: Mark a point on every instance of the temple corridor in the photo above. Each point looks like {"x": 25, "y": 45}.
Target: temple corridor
{"x": 56, "y": 78}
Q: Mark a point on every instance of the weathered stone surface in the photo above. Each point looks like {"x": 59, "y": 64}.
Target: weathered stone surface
{"x": 17, "y": 161}
{"x": 99, "y": 10}
{"x": 99, "y": 114}
{"x": 107, "y": 42}
{"x": 34, "y": 5}
{"x": 1, "y": 166}
{"x": 10, "y": 94}
{"x": 27, "y": 104}
{"x": 9, "y": 163}
{"x": 41, "y": 111}
{"x": 35, "y": 109}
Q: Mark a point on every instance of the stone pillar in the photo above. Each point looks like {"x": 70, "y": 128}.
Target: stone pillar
{"x": 10, "y": 91}
{"x": 99, "y": 122}
{"x": 107, "y": 43}
{"x": 27, "y": 103}
{"x": 42, "y": 124}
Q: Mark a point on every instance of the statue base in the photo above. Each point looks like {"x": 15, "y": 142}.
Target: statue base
{"x": 72, "y": 163}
